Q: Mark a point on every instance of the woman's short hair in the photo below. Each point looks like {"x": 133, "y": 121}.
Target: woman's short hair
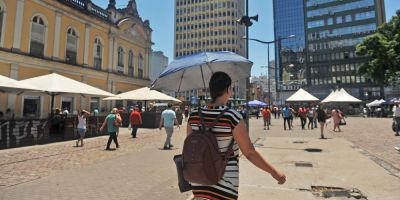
{"x": 114, "y": 111}
{"x": 219, "y": 83}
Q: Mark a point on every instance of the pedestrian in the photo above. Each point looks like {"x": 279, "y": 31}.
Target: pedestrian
{"x": 186, "y": 112}
{"x": 321, "y": 117}
{"x": 168, "y": 118}
{"x": 286, "y": 113}
{"x": 310, "y": 116}
{"x": 266, "y": 113}
{"x": 231, "y": 128}
{"x": 336, "y": 116}
{"x": 9, "y": 114}
{"x": 396, "y": 116}
{"x": 135, "y": 119}
{"x": 81, "y": 126}
{"x": 292, "y": 113}
{"x": 302, "y": 113}
{"x": 112, "y": 121}
{"x": 314, "y": 108}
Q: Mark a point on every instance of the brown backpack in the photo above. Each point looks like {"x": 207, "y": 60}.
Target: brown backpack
{"x": 203, "y": 163}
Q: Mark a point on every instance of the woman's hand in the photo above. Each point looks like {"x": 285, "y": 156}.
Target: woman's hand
{"x": 279, "y": 176}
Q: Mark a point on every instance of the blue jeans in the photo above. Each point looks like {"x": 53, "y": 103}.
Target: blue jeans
{"x": 397, "y": 119}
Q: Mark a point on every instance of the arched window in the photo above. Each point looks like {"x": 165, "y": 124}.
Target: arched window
{"x": 37, "y": 37}
{"x": 130, "y": 63}
{"x": 72, "y": 46}
{"x": 1, "y": 20}
{"x": 140, "y": 67}
{"x": 97, "y": 53}
{"x": 120, "y": 67}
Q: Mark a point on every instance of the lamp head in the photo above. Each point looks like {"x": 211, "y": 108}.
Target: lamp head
{"x": 255, "y": 18}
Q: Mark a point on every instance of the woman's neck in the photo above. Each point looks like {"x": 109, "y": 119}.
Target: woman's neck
{"x": 219, "y": 102}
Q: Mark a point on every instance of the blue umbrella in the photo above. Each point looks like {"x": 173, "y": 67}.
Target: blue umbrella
{"x": 256, "y": 103}
{"x": 194, "y": 71}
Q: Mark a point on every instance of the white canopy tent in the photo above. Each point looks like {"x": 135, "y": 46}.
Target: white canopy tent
{"x": 330, "y": 96}
{"x": 375, "y": 103}
{"x": 143, "y": 94}
{"x": 340, "y": 96}
{"x": 302, "y": 96}
{"x": 55, "y": 84}
{"x": 14, "y": 86}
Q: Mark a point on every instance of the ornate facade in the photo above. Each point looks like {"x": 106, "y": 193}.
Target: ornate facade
{"x": 106, "y": 48}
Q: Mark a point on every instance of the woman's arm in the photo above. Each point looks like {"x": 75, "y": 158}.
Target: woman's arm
{"x": 243, "y": 140}
{"x": 103, "y": 125}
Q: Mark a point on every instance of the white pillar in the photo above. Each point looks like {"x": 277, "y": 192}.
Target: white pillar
{"x": 11, "y": 99}
{"x": 83, "y": 99}
{"x": 57, "y": 35}
{"x": 87, "y": 40}
{"x": 110, "y": 52}
{"x": 18, "y": 25}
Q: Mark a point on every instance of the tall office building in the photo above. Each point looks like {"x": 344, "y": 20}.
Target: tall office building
{"x": 290, "y": 46}
{"x": 209, "y": 25}
{"x": 333, "y": 29}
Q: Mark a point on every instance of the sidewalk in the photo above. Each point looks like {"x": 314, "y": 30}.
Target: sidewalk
{"x": 338, "y": 165}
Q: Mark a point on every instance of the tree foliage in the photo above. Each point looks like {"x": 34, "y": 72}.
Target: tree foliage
{"x": 383, "y": 50}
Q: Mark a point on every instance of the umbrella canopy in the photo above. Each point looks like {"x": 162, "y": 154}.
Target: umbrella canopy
{"x": 194, "y": 71}
{"x": 143, "y": 94}
{"x": 341, "y": 96}
{"x": 256, "y": 103}
{"x": 11, "y": 85}
{"x": 55, "y": 84}
{"x": 302, "y": 96}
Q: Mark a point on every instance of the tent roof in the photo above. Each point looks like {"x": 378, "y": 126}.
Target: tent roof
{"x": 340, "y": 96}
{"x": 143, "y": 94}
{"x": 10, "y": 85}
{"x": 330, "y": 96}
{"x": 302, "y": 96}
{"x": 57, "y": 84}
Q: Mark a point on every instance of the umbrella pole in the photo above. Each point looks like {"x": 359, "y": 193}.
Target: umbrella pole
{"x": 52, "y": 106}
{"x": 204, "y": 84}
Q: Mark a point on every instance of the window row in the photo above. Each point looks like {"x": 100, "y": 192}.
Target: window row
{"x": 339, "y": 80}
{"x": 341, "y": 19}
{"x": 203, "y": 8}
{"x": 340, "y": 8}
{"x": 349, "y": 68}
{"x": 205, "y": 34}
{"x": 121, "y": 63}
{"x": 205, "y": 25}
{"x": 318, "y": 2}
{"x": 361, "y": 29}
{"x": 207, "y": 16}
{"x": 185, "y": 53}
{"x": 332, "y": 56}
{"x": 206, "y": 43}
{"x": 329, "y": 45}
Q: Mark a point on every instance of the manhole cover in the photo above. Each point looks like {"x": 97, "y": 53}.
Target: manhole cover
{"x": 327, "y": 192}
{"x": 314, "y": 150}
{"x": 303, "y": 164}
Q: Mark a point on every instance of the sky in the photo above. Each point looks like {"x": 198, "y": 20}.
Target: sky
{"x": 161, "y": 16}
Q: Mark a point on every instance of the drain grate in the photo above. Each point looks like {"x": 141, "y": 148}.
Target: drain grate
{"x": 313, "y": 150}
{"x": 303, "y": 164}
{"x": 327, "y": 192}
{"x": 298, "y": 142}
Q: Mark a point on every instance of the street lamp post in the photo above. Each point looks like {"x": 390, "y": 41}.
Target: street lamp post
{"x": 268, "y": 66}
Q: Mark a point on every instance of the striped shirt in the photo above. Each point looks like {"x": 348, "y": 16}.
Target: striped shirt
{"x": 228, "y": 186}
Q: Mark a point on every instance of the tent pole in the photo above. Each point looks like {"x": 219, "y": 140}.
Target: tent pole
{"x": 52, "y": 106}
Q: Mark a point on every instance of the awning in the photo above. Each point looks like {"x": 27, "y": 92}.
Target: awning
{"x": 143, "y": 94}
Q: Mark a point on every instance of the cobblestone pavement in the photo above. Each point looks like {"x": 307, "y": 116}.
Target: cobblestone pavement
{"x": 57, "y": 167}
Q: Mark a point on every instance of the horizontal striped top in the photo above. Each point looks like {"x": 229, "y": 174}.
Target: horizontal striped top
{"x": 228, "y": 186}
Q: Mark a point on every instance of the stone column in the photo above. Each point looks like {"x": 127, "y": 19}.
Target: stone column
{"x": 87, "y": 43}
{"x": 111, "y": 39}
{"x": 18, "y": 25}
{"x": 57, "y": 35}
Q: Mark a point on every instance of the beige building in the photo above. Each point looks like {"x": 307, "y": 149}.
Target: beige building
{"x": 106, "y": 48}
{"x": 209, "y": 25}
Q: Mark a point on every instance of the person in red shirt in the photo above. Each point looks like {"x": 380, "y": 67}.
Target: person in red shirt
{"x": 136, "y": 120}
{"x": 267, "y": 117}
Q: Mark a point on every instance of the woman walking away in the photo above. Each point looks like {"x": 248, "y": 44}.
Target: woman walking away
{"x": 321, "y": 117}
{"x": 230, "y": 127}
{"x": 112, "y": 121}
{"x": 310, "y": 116}
{"x": 82, "y": 126}
{"x": 336, "y": 116}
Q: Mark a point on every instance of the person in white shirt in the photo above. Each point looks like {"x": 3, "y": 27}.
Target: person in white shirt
{"x": 396, "y": 116}
{"x": 81, "y": 126}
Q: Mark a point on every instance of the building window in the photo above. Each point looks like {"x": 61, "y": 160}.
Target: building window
{"x": 130, "y": 63}
{"x": 348, "y": 18}
{"x": 72, "y": 42}
{"x": 339, "y": 20}
{"x": 1, "y": 20}
{"x": 98, "y": 52}
{"x": 31, "y": 107}
{"x": 120, "y": 67}
{"x": 37, "y": 37}
{"x": 140, "y": 67}
{"x": 67, "y": 103}
{"x": 94, "y": 104}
